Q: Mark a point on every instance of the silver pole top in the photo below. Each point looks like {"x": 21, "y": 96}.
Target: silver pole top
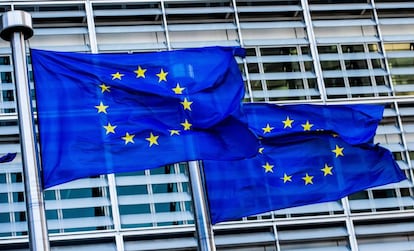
{"x": 16, "y": 21}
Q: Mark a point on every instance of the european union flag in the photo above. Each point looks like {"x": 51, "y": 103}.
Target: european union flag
{"x": 354, "y": 123}
{"x": 7, "y": 157}
{"x": 308, "y": 154}
{"x": 295, "y": 170}
{"x": 110, "y": 113}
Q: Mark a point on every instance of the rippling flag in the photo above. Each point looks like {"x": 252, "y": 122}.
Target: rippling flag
{"x": 110, "y": 113}
{"x": 308, "y": 154}
{"x": 294, "y": 171}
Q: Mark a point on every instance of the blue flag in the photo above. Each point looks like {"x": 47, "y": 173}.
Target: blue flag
{"x": 354, "y": 123}
{"x": 295, "y": 170}
{"x": 110, "y": 113}
{"x": 7, "y": 157}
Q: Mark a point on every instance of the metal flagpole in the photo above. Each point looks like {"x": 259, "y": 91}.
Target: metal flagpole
{"x": 17, "y": 27}
{"x": 202, "y": 219}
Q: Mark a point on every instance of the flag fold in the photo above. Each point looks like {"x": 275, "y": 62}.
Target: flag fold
{"x": 353, "y": 123}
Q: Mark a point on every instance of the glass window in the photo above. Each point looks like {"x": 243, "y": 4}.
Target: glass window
{"x": 51, "y": 214}
{"x": 134, "y": 209}
{"x": 352, "y": 48}
{"x": 250, "y": 52}
{"x": 164, "y": 188}
{"x": 128, "y": 190}
{"x": 281, "y": 67}
{"x": 359, "y": 196}
{"x": 4, "y": 60}
{"x": 6, "y": 77}
{"x": 400, "y": 62}
{"x": 373, "y": 48}
{"x": 9, "y": 110}
{"x": 4, "y": 217}
{"x": 327, "y": 49}
{"x": 406, "y": 192}
{"x": 253, "y": 67}
{"x": 377, "y": 63}
{"x": 78, "y": 212}
{"x": 18, "y": 196}
{"x": 279, "y": 51}
{"x": 8, "y": 95}
{"x": 399, "y": 46}
{"x": 330, "y": 65}
{"x": 76, "y": 193}
{"x": 359, "y": 81}
{"x": 166, "y": 207}
{"x": 308, "y": 66}
{"x": 256, "y": 85}
{"x": 388, "y": 193}
{"x": 381, "y": 80}
{"x": 305, "y": 50}
{"x": 16, "y": 177}
{"x": 4, "y": 198}
{"x": 284, "y": 84}
{"x": 356, "y": 64}
{"x": 161, "y": 170}
{"x": 312, "y": 83}
{"x": 334, "y": 82}
{"x": 19, "y": 216}
{"x": 402, "y": 79}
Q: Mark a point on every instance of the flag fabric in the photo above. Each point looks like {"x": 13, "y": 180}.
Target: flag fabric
{"x": 354, "y": 123}
{"x": 110, "y": 113}
{"x": 7, "y": 157}
{"x": 295, "y": 170}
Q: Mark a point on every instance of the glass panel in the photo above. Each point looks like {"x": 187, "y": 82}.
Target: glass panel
{"x": 330, "y": 65}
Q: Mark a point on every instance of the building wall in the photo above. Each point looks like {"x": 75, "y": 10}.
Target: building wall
{"x": 298, "y": 51}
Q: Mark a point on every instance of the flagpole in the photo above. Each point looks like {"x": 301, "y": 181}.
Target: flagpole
{"x": 202, "y": 219}
{"x": 16, "y": 27}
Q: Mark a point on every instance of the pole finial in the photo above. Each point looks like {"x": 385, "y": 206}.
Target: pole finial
{"x": 16, "y": 21}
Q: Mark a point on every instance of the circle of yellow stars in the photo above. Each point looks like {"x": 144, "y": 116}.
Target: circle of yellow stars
{"x": 152, "y": 139}
{"x": 307, "y": 178}
{"x": 307, "y": 126}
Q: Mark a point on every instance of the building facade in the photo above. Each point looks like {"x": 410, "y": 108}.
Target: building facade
{"x": 298, "y": 51}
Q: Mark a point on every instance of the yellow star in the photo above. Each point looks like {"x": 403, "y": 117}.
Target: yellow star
{"x": 140, "y": 72}
{"x": 152, "y": 139}
{"x": 174, "y": 132}
{"x": 101, "y": 107}
{"x": 129, "y": 138}
{"x": 327, "y": 170}
{"x": 261, "y": 150}
{"x": 117, "y": 75}
{"x": 104, "y": 88}
{"x": 177, "y": 89}
{"x": 267, "y": 129}
{"x": 109, "y": 128}
{"x": 288, "y": 122}
{"x": 338, "y": 151}
{"x": 186, "y": 125}
{"x": 268, "y": 167}
{"x": 187, "y": 104}
{"x": 308, "y": 179}
{"x": 162, "y": 76}
{"x": 307, "y": 126}
{"x": 286, "y": 178}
